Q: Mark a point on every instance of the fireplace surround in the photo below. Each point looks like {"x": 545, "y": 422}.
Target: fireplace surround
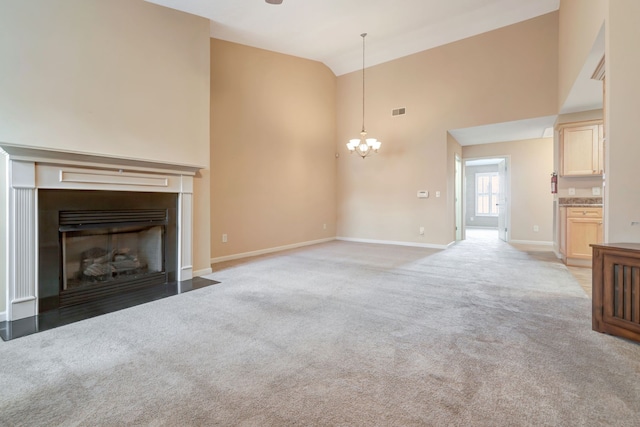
{"x": 114, "y": 186}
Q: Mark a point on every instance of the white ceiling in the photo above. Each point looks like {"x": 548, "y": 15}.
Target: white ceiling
{"x": 502, "y": 132}
{"x": 329, "y": 30}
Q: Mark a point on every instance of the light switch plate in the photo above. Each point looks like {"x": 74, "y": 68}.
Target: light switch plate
{"x": 572, "y": 191}
{"x": 595, "y": 191}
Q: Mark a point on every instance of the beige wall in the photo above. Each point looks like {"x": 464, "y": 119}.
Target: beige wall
{"x": 503, "y": 75}
{"x": 272, "y": 149}
{"x": 622, "y": 107}
{"x": 115, "y": 77}
{"x": 531, "y": 162}
{"x": 580, "y": 22}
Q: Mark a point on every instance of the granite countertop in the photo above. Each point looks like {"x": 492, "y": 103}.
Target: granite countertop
{"x": 580, "y": 202}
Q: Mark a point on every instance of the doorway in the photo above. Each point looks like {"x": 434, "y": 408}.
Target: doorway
{"x": 486, "y": 197}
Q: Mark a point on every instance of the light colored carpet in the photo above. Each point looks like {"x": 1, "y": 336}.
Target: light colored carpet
{"x": 339, "y": 334}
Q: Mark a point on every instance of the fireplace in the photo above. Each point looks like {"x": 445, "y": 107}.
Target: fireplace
{"x": 97, "y": 244}
{"x": 80, "y": 226}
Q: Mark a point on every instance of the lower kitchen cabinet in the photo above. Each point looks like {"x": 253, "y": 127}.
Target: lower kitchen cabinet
{"x": 583, "y": 228}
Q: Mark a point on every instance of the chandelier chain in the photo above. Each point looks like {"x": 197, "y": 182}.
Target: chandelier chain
{"x": 363, "y": 35}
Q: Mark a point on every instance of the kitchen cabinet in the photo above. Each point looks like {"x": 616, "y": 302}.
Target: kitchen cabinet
{"x": 582, "y": 149}
{"x": 616, "y": 289}
{"x": 583, "y": 228}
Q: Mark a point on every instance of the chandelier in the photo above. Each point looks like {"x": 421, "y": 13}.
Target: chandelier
{"x": 363, "y": 146}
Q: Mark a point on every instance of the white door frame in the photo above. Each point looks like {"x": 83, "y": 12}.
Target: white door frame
{"x": 457, "y": 194}
{"x": 507, "y": 158}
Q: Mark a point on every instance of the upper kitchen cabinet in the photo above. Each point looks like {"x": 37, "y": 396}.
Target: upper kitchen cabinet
{"x": 582, "y": 148}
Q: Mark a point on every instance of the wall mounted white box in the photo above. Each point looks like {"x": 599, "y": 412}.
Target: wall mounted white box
{"x": 423, "y": 194}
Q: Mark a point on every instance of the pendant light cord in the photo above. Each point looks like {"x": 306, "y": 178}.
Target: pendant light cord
{"x": 363, "y": 35}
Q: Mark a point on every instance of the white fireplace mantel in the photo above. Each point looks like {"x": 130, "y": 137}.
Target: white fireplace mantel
{"x": 29, "y": 169}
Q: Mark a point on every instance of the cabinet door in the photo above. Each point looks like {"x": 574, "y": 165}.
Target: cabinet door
{"x": 562, "y": 234}
{"x": 580, "y": 149}
{"x": 621, "y": 295}
{"x": 582, "y": 232}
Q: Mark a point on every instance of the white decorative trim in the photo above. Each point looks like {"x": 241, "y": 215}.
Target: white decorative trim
{"x": 185, "y": 231}
{"x": 270, "y": 250}
{"x": 45, "y": 155}
{"x": 111, "y": 177}
{"x": 64, "y": 177}
{"x": 22, "y": 249}
{"x": 396, "y": 243}
{"x": 599, "y": 72}
{"x": 531, "y": 242}
{"x": 203, "y": 272}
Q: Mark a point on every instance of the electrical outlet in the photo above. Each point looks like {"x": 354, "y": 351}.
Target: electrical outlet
{"x": 324, "y": 226}
{"x": 422, "y": 231}
{"x": 224, "y": 238}
{"x": 536, "y": 228}
{"x": 572, "y": 191}
{"x": 437, "y": 194}
{"x": 595, "y": 191}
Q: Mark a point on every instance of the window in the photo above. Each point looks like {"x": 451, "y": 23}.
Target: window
{"x": 487, "y": 189}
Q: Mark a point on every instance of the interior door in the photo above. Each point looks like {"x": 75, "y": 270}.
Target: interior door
{"x": 503, "y": 227}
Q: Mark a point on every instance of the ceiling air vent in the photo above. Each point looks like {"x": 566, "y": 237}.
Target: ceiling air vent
{"x": 399, "y": 112}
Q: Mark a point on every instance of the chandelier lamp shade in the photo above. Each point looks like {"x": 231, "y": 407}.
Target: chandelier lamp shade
{"x": 363, "y": 146}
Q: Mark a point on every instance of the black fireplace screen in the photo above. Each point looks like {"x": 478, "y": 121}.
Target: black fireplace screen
{"x": 97, "y": 244}
{"x": 109, "y": 254}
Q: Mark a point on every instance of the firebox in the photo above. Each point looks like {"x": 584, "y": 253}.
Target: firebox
{"x": 99, "y": 244}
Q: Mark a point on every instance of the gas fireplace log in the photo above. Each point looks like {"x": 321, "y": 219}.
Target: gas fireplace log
{"x": 99, "y": 264}
{"x": 96, "y": 270}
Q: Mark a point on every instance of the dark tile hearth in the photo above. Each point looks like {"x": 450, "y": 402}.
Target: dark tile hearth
{"x": 63, "y": 316}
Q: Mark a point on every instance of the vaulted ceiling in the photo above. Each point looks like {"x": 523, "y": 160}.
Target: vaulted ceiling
{"x": 329, "y": 30}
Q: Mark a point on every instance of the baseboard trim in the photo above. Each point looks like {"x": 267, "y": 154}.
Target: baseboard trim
{"x": 270, "y": 250}
{"x": 203, "y": 272}
{"x": 578, "y": 262}
{"x": 396, "y": 243}
{"x": 3, "y": 316}
{"x": 531, "y": 242}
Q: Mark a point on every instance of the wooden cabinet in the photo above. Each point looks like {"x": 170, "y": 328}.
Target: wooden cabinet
{"x": 616, "y": 290}
{"x": 584, "y": 228}
{"x": 582, "y": 149}
{"x": 562, "y": 232}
